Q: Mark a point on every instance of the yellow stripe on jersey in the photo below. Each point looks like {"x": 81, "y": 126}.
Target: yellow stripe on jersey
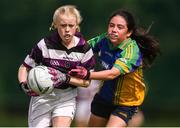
{"x": 117, "y": 94}
{"x": 122, "y": 66}
{"x": 129, "y": 52}
{"x": 122, "y": 63}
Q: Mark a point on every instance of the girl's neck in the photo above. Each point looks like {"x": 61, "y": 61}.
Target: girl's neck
{"x": 70, "y": 44}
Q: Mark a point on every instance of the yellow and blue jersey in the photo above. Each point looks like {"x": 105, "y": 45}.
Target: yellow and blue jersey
{"x": 128, "y": 89}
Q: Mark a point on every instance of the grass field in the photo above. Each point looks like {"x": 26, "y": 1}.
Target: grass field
{"x": 13, "y": 119}
{"x": 20, "y": 120}
{"x": 162, "y": 122}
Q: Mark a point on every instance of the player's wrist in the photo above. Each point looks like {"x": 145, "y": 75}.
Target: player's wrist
{"x": 68, "y": 78}
{"x": 23, "y": 86}
{"x": 22, "y": 83}
{"x": 87, "y": 75}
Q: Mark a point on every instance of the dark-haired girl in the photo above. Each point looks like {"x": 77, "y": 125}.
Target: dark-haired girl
{"x": 124, "y": 51}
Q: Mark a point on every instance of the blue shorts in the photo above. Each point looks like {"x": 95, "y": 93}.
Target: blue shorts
{"x": 102, "y": 108}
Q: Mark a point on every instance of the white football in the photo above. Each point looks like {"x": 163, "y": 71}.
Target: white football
{"x": 39, "y": 80}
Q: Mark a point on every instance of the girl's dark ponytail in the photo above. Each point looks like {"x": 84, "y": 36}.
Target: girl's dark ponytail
{"x": 149, "y": 46}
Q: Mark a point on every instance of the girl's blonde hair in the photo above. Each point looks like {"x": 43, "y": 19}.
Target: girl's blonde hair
{"x": 66, "y": 10}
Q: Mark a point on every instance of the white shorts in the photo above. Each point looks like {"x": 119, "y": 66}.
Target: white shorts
{"x": 59, "y": 103}
{"x": 83, "y": 110}
{"x": 84, "y": 99}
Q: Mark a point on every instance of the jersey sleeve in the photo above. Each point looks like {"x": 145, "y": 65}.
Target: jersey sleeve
{"x": 88, "y": 60}
{"x": 35, "y": 56}
{"x": 95, "y": 41}
{"x": 130, "y": 59}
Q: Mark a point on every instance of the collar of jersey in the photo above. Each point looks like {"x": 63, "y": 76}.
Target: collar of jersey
{"x": 122, "y": 45}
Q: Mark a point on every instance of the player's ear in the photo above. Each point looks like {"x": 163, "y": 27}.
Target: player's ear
{"x": 52, "y": 27}
{"x": 77, "y": 28}
{"x": 129, "y": 33}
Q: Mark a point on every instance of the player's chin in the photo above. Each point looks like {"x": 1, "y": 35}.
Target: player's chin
{"x": 114, "y": 41}
{"x": 67, "y": 39}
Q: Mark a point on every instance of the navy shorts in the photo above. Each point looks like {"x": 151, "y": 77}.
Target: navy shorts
{"x": 102, "y": 108}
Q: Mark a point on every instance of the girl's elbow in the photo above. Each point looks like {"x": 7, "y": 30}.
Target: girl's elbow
{"x": 111, "y": 77}
{"x": 114, "y": 74}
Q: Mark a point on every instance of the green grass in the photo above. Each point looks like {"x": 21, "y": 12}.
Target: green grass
{"x": 16, "y": 119}
{"x": 13, "y": 119}
{"x": 162, "y": 121}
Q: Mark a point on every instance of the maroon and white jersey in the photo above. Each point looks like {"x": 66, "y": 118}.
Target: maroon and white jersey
{"x": 52, "y": 53}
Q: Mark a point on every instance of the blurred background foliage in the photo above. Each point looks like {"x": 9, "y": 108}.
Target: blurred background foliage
{"x": 25, "y": 22}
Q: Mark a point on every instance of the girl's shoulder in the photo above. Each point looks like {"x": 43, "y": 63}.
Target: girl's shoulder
{"x": 97, "y": 39}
